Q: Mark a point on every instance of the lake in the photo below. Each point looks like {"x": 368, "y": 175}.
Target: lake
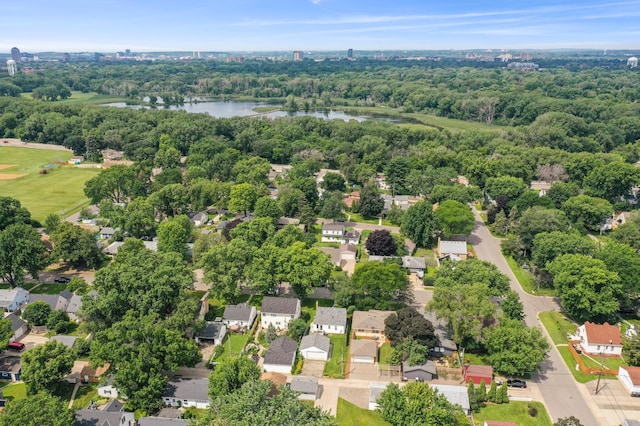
{"x": 244, "y": 109}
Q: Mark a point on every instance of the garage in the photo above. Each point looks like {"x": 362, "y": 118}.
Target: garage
{"x": 364, "y": 351}
{"x": 315, "y": 346}
{"x": 630, "y": 378}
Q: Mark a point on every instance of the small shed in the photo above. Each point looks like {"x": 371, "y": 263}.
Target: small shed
{"x": 307, "y": 387}
{"x": 420, "y": 373}
{"x": 315, "y": 346}
{"x": 213, "y": 331}
{"x": 478, "y": 373}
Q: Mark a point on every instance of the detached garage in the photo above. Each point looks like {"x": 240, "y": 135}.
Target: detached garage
{"x": 630, "y": 378}
{"x": 364, "y": 351}
{"x": 315, "y": 346}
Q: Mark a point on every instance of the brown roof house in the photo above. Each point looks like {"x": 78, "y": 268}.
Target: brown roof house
{"x": 363, "y": 351}
{"x": 369, "y": 323}
{"x": 600, "y": 339}
{"x": 630, "y": 378}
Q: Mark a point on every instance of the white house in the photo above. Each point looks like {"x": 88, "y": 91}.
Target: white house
{"x": 108, "y": 390}
{"x": 307, "y": 387}
{"x": 336, "y": 233}
{"x": 278, "y": 311}
{"x": 630, "y": 378}
{"x": 315, "y": 346}
{"x": 330, "y": 321}
{"x": 108, "y": 232}
{"x": 600, "y": 339}
{"x": 10, "y": 300}
{"x": 280, "y": 356}
{"x": 199, "y": 219}
{"x": 239, "y": 315}
{"x": 184, "y": 392}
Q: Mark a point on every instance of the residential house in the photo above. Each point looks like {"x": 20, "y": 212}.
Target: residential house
{"x": 185, "y": 392}
{"x": 75, "y": 302}
{"x": 199, "y": 219}
{"x": 278, "y": 311}
{"x": 315, "y": 346}
{"x": 336, "y": 233}
{"x": 600, "y": 339}
{"x": 112, "y": 154}
{"x": 307, "y": 387}
{"x": 363, "y": 351}
{"x": 278, "y": 170}
{"x": 280, "y": 356}
{"x": 457, "y": 395}
{"x": 477, "y": 374}
{"x": 446, "y": 345}
{"x": 10, "y": 300}
{"x": 353, "y": 197}
{"x": 541, "y": 186}
{"x": 330, "y": 321}
{"x": 375, "y": 390}
{"x": 415, "y": 265}
{"x": 107, "y": 389}
{"x": 68, "y": 341}
{"x": 57, "y": 302}
{"x": 421, "y": 373}
{"x": 381, "y": 181}
{"x": 347, "y": 260}
{"x": 241, "y": 316}
{"x": 283, "y": 222}
{"x": 93, "y": 417}
{"x": 456, "y": 250}
{"x": 369, "y": 323}
{"x": 630, "y": 378}
{"x": 10, "y": 368}
{"x": 162, "y": 421}
{"x": 75, "y": 374}
{"x": 213, "y": 331}
{"x": 108, "y": 232}
{"x": 18, "y": 326}
{"x": 93, "y": 375}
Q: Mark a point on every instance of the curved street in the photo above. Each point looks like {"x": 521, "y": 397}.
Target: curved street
{"x": 561, "y": 394}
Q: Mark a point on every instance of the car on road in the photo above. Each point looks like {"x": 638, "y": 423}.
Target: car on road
{"x": 517, "y": 383}
{"x": 62, "y": 280}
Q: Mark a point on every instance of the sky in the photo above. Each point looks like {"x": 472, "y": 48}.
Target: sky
{"x": 307, "y": 25}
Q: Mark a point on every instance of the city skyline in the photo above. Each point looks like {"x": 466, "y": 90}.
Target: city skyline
{"x": 307, "y": 25}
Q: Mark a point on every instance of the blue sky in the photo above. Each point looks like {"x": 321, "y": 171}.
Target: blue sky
{"x": 260, "y": 25}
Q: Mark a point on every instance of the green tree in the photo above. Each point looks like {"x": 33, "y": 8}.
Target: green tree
{"x": 167, "y": 157}
{"x": 139, "y": 218}
{"x": 562, "y": 191}
{"x": 305, "y": 268}
{"x": 243, "y": 198}
{"x": 396, "y": 173}
{"x": 587, "y": 212}
{"x": 491, "y": 395}
{"x": 12, "y": 212}
{"x": 225, "y": 266}
{"x": 418, "y": 403}
{"x": 255, "y": 232}
{"x": 379, "y": 284}
{"x": 36, "y": 410}
{"x": 252, "y": 170}
{"x": 117, "y": 183}
{"x": 509, "y": 186}
{"x": 6, "y": 333}
{"x": 21, "y": 251}
{"x": 51, "y": 222}
{"x": 170, "y": 200}
{"x": 472, "y": 271}
{"x": 173, "y": 237}
{"x": 296, "y": 328}
{"x": 624, "y": 260}
{"x": 512, "y": 307}
{"x": 292, "y": 201}
{"x": 36, "y": 313}
{"x": 612, "y": 180}
{"x": 474, "y": 404}
{"x": 409, "y": 323}
{"x": 549, "y": 245}
{"x": 230, "y": 375}
{"x": 333, "y": 182}
{"x": 331, "y": 205}
{"x": 58, "y": 321}
{"x": 501, "y": 224}
{"x": 44, "y": 367}
{"x": 632, "y": 349}
{"x": 568, "y": 421}
{"x": 371, "y": 204}
{"x": 515, "y": 349}
{"x": 627, "y": 233}
{"x": 419, "y": 223}
{"x": 76, "y": 246}
{"x": 381, "y": 243}
{"x": 453, "y": 217}
{"x": 268, "y": 207}
{"x": 536, "y": 220}
{"x": 502, "y": 394}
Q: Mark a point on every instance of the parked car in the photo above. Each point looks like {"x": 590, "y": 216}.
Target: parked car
{"x": 516, "y": 383}
{"x": 16, "y": 346}
{"x": 577, "y": 348}
{"x": 61, "y": 280}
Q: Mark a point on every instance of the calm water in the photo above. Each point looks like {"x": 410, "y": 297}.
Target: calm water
{"x": 244, "y": 109}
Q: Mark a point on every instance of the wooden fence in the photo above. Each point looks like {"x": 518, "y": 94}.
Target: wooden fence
{"x": 584, "y": 368}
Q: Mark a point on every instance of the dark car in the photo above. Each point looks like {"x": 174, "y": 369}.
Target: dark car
{"x": 516, "y": 383}
{"x": 62, "y": 280}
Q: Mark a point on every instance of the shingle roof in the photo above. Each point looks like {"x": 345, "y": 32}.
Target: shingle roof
{"x": 305, "y": 385}
{"x": 428, "y": 367}
{"x": 185, "y": 388}
{"x": 10, "y": 363}
{"x": 370, "y": 320}
{"x": 499, "y": 423}
{"x": 412, "y": 262}
{"x": 331, "y": 316}
{"x": 364, "y": 348}
{"x": 332, "y": 227}
{"x": 634, "y": 374}
{"x": 282, "y": 351}
{"x": 49, "y": 299}
{"x": 602, "y": 334}
{"x": 455, "y": 394}
{"x": 102, "y": 418}
{"x": 162, "y": 421}
{"x": 479, "y": 371}
{"x": 317, "y": 340}
{"x": 212, "y": 330}
{"x": 68, "y": 341}
{"x": 453, "y": 247}
{"x": 8, "y": 296}
{"x": 280, "y": 305}
{"x": 237, "y": 313}
{"x": 16, "y": 321}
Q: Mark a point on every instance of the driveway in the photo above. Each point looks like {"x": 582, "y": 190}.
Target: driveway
{"x": 362, "y": 371}
{"x": 561, "y": 394}
{"x": 32, "y": 340}
{"x": 312, "y": 368}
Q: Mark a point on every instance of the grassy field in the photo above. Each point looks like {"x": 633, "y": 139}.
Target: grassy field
{"x": 516, "y": 412}
{"x": 233, "y": 345}
{"x": 571, "y": 363}
{"x": 92, "y": 99}
{"x": 525, "y": 278}
{"x": 557, "y": 326}
{"x": 385, "y": 353}
{"x": 352, "y": 415}
{"x": 60, "y": 191}
{"x": 15, "y": 391}
{"x": 339, "y": 351}
{"x": 49, "y": 289}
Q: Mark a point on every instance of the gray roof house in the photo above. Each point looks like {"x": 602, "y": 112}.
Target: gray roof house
{"x": 18, "y": 326}
{"x": 57, "y": 302}
{"x": 421, "y": 373}
{"x": 162, "y": 421}
{"x": 307, "y": 386}
{"x": 330, "y": 321}
{"x": 241, "y": 315}
{"x": 10, "y": 368}
{"x": 414, "y": 264}
{"x": 107, "y": 232}
{"x": 75, "y": 302}
{"x": 315, "y": 346}
{"x": 446, "y": 345}
{"x": 213, "y": 331}
{"x": 10, "y": 300}
{"x": 281, "y": 355}
{"x": 68, "y": 341}
{"x": 103, "y": 418}
{"x": 455, "y": 395}
{"x": 278, "y": 311}
{"x": 184, "y": 392}
{"x": 199, "y": 219}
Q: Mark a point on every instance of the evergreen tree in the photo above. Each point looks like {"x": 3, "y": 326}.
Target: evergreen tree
{"x": 481, "y": 393}
{"x": 503, "y": 396}
{"x": 371, "y": 204}
{"x": 491, "y": 396}
{"x": 473, "y": 398}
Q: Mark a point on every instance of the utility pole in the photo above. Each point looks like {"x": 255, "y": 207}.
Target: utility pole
{"x": 601, "y": 371}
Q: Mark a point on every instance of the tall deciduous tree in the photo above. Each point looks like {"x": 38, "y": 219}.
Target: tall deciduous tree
{"x": 44, "y": 367}
{"x": 586, "y": 211}
{"x": 371, "y": 204}
{"x": 36, "y": 313}
{"x": 243, "y": 197}
{"x": 76, "y": 246}
{"x": 12, "y": 212}
{"x": 538, "y": 219}
{"x": 472, "y": 271}
{"x": 305, "y": 268}
{"x": 21, "y": 250}
{"x": 173, "y": 237}
{"x": 268, "y": 207}
{"x": 453, "y": 217}
{"x": 419, "y": 223}
{"x": 509, "y": 186}
{"x": 230, "y": 375}
{"x": 333, "y": 182}
{"x": 378, "y": 285}
{"x": 118, "y": 184}
{"x": 36, "y": 410}
{"x": 381, "y": 243}
{"x": 225, "y": 266}
{"x": 549, "y": 245}
{"x": 515, "y": 349}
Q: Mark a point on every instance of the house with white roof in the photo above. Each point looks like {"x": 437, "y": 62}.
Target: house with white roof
{"x": 330, "y": 321}
{"x": 10, "y": 300}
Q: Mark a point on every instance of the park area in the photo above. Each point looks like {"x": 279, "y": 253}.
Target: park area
{"x": 60, "y": 190}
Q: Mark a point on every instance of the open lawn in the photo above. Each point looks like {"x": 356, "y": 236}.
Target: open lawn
{"x": 309, "y": 306}
{"x": 48, "y": 288}
{"x": 557, "y": 326}
{"x": 385, "y": 353}
{"x": 571, "y": 363}
{"x": 86, "y": 393}
{"x": 356, "y": 217}
{"x": 60, "y": 191}
{"x": 233, "y": 345}
{"x": 516, "y": 412}
{"x": 92, "y": 99}
{"x": 335, "y": 366}
{"x": 611, "y": 363}
{"x": 349, "y": 414}
{"x": 525, "y": 278}
{"x": 15, "y": 391}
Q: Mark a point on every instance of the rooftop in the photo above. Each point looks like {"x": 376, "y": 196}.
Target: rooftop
{"x": 12, "y": 364}
{"x": 333, "y": 227}
{"x": 369, "y": 320}
{"x": 603, "y": 334}
{"x": 364, "y": 348}
{"x": 280, "y": 305}
{"x": 480, "y": 370}
{"x": 316, "y": 340}
{"x": 331, "y": 316}
{"x": 453, "y": 247}
{"x": 103, "y": 418}
{"x": 185, "y": 388}
{"x": 212, "y": 330}
{"x": 68, "y": 341}
{"x": 162, "y": 421}
{"x": 305, "y": 385}
{"x": 237, "y": 313}
{"x": 634, "y": 374}
{"x": 282, "y": 351}
{"x": 455, "y": 394}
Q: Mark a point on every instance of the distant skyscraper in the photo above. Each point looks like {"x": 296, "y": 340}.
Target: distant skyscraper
{"x": 527, "y": 56}
{"x": 15, "y": 54}
{"x": 12, "y": 67}
{"x": 350, "y": 53}
{"x": 297, "y": 55}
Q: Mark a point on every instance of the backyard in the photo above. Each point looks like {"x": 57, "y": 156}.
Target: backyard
{"x": 516, "y": 412}
{"x": 339, "y": 351}
{"x": 349, "y": 414}
{"x": 231, "y": 347}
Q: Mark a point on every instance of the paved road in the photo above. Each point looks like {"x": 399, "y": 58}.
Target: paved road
{"x": 559, "y": 390}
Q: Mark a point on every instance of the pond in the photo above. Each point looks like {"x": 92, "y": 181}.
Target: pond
{"x": 230, "y": 109}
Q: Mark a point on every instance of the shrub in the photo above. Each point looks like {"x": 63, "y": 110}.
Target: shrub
{"x": 533, "y": 411}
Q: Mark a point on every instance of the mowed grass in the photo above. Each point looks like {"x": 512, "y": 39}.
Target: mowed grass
{"x": 571, "y": 363}
{"x": 525, "y": 278}
{"x": 349, "y": 414}
{"x": 516, "y": 412}
{"x": 557, "y": 326}
{"x": 92, "y": 98}
{"x": 339, "y": 352}
{"x": 60, "y": 191}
